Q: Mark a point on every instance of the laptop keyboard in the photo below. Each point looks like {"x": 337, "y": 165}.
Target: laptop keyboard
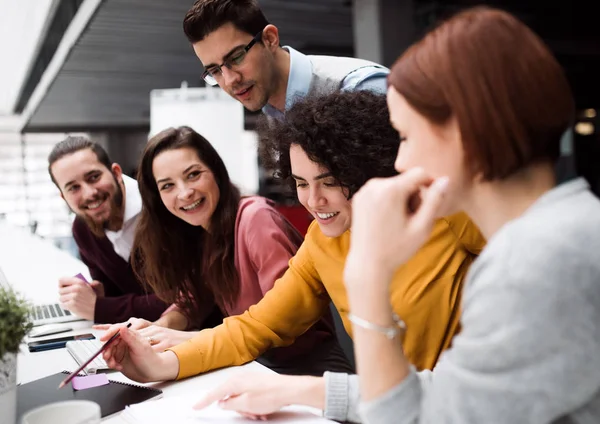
{"x": 82, "y": 350}
{"x": 49, "y": 311}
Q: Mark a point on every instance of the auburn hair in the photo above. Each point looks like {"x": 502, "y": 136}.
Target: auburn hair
{"x": 498, "y": 79}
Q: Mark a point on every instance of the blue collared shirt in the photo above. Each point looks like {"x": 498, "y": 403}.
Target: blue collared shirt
{"x": 366, "y": 78}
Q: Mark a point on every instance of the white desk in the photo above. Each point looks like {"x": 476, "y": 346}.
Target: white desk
{"x": 33, "y": 266}
{"x": 35, "y": 365}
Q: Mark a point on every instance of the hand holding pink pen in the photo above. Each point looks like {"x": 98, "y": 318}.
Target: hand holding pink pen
{"x": 98, "y": 352}
{"x": 79, "y": 296}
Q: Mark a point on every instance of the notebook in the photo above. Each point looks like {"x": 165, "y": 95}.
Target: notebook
{"x": 112, "y": 398}
{"x": 179, "y": 410}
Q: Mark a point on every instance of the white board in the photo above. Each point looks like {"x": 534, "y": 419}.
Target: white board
{"x": 219, "y": 118}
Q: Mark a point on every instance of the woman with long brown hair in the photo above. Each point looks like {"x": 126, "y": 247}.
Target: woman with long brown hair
{"x": 200, "y": 244}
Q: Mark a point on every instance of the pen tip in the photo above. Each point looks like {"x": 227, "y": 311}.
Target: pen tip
{"x": 61, "y": 385}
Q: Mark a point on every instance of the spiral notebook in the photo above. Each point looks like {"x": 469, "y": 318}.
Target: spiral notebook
{"x": 112, "y": 398}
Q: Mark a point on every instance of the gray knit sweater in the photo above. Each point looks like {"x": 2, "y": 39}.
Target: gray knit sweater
{"x": 529, "y": 349}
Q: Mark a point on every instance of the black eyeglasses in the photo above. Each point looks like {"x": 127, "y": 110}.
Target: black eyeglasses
{"x": 236, "y": 58}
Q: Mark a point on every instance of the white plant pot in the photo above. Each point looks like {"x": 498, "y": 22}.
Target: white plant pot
{"x": 8, "y": 388}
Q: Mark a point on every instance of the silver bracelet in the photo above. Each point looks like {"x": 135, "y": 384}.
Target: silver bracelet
{"x": 389, "y": 332}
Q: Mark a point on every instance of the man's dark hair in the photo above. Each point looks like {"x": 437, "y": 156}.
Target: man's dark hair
{"x": 73, "y": 144}
{"x": 348, "y": 133}
{"x": 206, "y": 16}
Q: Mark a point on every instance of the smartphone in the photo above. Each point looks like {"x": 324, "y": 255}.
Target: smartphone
{"x": 56, "y": 343}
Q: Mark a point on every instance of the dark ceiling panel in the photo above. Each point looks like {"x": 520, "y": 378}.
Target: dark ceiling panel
{"x": 569, "y": 28}
{"x": 133, "y": 46}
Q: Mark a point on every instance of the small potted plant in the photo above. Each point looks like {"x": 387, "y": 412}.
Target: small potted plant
{"x": 14, "y": 325}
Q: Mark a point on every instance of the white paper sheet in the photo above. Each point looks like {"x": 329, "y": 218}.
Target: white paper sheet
{"x": 179, "y": 410}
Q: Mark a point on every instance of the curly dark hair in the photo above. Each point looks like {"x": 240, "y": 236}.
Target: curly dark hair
{"x": 348, "y": 133}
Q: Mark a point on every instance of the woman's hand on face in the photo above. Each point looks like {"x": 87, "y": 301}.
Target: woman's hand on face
{"x": 391, "y": 219}
{"x": 161, "y": 338}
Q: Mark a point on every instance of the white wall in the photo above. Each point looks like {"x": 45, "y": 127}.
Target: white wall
{"x": 217, "y": 117}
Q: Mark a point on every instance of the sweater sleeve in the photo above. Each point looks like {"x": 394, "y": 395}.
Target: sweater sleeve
{"x": 342, "y": 397}
{"x": 269, "y": 246}
{"x": 295, "y": 303}
{"x": 528, "y": 351}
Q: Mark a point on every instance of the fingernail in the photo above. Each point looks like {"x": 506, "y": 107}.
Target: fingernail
{"x": 441, "y": 183}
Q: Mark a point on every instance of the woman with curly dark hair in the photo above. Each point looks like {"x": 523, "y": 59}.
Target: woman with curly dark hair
{"x": 329, "y": 147}
{"x": 348, "y": 134}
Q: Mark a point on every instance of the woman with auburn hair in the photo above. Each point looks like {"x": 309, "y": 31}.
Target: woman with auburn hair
{"x": 199, "y": 243}
{"x": 481, "y": 104}
{"x": 327, "y": 147}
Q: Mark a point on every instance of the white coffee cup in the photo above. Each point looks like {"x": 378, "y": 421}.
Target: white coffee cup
{"x": 67, "y": 412}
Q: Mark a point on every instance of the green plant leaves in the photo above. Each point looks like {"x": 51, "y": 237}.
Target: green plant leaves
{"x": 15, "y": 320}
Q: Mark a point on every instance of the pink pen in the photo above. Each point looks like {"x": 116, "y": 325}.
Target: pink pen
{"x": 81, "y": 277}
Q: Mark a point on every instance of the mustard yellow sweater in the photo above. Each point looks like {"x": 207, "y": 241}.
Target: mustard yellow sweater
{"x": 425, "y": 293}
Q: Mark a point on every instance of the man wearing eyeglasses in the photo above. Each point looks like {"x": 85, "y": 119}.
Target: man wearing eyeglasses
{"x": 240, "y": 52}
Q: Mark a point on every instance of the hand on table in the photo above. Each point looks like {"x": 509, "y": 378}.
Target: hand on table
{"x": 257, "y": 395}
{"x": 136, "y": 324}
{"x": 161, "y": 338}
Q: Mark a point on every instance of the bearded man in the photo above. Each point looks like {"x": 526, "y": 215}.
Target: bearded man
{"x": 107, "y": 204}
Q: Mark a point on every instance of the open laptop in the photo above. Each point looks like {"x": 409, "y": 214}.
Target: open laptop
{"x": 45, "y": 313}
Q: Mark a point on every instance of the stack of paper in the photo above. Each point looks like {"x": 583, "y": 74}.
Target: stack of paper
{"x": 179, "y": 410}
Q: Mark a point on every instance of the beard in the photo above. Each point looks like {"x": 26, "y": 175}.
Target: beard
{"x": 115, "y": 219}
